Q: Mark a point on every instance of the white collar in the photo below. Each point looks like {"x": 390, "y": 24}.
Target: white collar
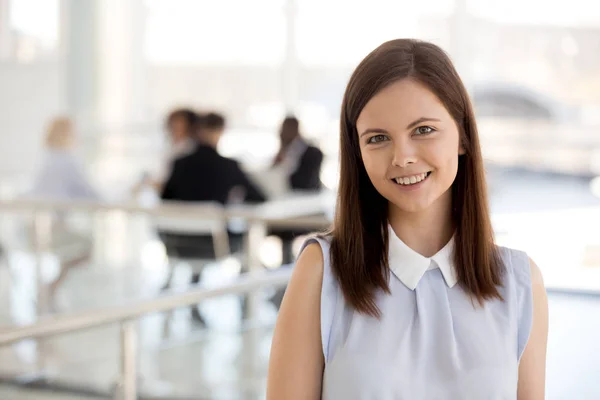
{"x": 410, "y": 266}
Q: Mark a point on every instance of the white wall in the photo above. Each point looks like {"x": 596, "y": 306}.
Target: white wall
{"x": 30, "y": 94}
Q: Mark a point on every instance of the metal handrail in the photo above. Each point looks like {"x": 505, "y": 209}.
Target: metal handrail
{"x": 295, "y": 212}
{"x": 83, "y": 320}
{"x": 275, "y": 210}
{"x": 257, "y": 217}
{"x": 287, "y": 213}
{"x": 127, "y": 386}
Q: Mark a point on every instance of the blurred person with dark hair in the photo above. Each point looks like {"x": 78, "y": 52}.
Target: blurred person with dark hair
{"x": 301, "y": 161}
{"x": 181, "y": 125}
{"x": 61, "y": 176}
{"x": 205, "y": 176}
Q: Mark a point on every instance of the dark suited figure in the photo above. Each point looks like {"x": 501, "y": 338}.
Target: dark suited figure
{"x": 302, "y": 162}
{"x": 205, "y": 175}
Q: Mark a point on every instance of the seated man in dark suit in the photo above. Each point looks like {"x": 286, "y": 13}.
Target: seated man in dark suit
{"x": 302, "y": 162}
{"x": 205, "y": 175}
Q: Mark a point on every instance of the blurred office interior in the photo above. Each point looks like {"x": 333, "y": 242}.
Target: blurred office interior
{"x": 118, "y": 67}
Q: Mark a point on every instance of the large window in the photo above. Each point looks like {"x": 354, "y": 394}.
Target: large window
{"x": 538, "y": 12}
{"x": 224, "y": 55}
{"x": 33, "y": 28}
{"x": 338, "y": 33}
{"x": 223, "y": 33}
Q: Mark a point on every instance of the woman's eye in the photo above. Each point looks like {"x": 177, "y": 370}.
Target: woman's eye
{"x": 377, "y": 139}
{"x": 424, "y": 130}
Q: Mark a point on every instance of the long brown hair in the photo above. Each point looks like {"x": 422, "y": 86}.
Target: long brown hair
{"x": 359, "y": 245}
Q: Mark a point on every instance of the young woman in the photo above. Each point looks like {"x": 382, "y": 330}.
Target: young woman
{"x": 408, "y": 297}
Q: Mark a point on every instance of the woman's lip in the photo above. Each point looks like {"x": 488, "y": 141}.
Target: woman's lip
{"x": 413, "y": 186}
{"x": 408, "y": 176}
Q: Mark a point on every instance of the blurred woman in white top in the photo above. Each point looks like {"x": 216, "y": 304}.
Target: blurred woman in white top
{"x": 62, "y": 177}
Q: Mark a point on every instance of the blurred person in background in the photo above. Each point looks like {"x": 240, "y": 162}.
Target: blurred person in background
{"x": 408, "y": 296}
{"x": 300, "y": 160}
{"x": 181, "y": 125}
{"x": 61, "y": 176}
{"x": 300, "y": 163}
{"x": 205, "y": 176}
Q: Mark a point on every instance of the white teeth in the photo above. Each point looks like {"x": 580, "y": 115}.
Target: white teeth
{"x": 411, "y": 180}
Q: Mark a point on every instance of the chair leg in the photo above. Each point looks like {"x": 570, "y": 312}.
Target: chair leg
{"x": 169, "y": 315}
{"x": 196, "y": 316}
{"x": 197, "y": 267}
{"x": 65, "y": 267}
{"x": 277, "y": 298}
{"x": 167, "y": 284}
{"x": 244, "y": 305}
{"x": 287, "y": 251}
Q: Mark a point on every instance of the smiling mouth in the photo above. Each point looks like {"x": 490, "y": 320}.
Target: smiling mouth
{"x": 411, "y": 180}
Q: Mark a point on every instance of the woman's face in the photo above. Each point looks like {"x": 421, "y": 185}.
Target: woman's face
{"x": 410, "y": 146}
{"x": 65, "y": 136}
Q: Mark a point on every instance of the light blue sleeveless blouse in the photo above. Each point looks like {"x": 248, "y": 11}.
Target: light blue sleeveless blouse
{"x": 431, "y": 342}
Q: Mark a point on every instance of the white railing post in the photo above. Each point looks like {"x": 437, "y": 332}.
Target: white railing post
{"x": 255, "y": 236}
{"x": 127, "y": 388}
{"x": 42, "y": 235}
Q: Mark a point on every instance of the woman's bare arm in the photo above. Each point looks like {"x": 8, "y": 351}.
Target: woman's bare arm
{"x": 532, "y": 369}
{"x": 297, "y": 362}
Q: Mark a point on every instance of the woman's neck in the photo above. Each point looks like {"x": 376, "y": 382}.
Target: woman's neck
{"x": 427, "y": 231}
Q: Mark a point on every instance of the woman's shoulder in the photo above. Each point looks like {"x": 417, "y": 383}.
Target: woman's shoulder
{"x": 319, "y": 246}
{"x": 314, "y": 254}
{"x": 317, "y": 240}
{"x": 519, "y": 265}
{"x": 308, "y": 271}
{"x": 311, "y": 255}
{"x": 526, "y": 284}
{"x": 313, "y": 264}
